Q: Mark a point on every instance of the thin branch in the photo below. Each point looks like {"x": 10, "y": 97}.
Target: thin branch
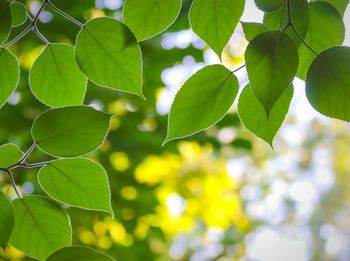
{"x": 303, "y": 41}
{"x": 29, "y": 28}
{"x": 283, "y": 15}
{"x": 24, "y": 157}
{"x": 33, "y": 165}
{"x": 239, "y": 68}
{"x": 65, "y": 15}
{"x": 37, "y": 32}
{"x": 13, "y": 183}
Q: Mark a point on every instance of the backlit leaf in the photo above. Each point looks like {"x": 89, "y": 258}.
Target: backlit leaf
{"x": 253, "y": 116}
{"x": 55, "y": 78}
{"x": 78, "y": 253}
{"x": 253, "y": 29}
{"x": 19, "y": 16}
{"x": 328, "y": 83}
{"x": 5, "y": 21}
{"x": 9, "y": 154}
{"x": 272, "y": 61}
{"x": 215, "y": 21}
{"x": 202, "y": 101}
{"x": 41, "y": 227}
{"x": 9, "y": 75}
{"x": 70, "y": 131}
{"x": 109, "y": 55}
{"x": 77, "y": 182}
{"x": 147, "y": 18}
{"x": 326, "y": 30}
{"x": 268, "y": 5}
{"x": 7, "y": 220}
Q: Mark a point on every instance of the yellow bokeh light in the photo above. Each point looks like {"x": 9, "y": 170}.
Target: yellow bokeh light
{"x": 120, "y": 161}
{"x": 129, "y": 193}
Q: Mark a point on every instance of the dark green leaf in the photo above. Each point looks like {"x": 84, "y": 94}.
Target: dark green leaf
{"x": 9, "y": 75}
{"x": 78, "y": 253}
{"x": 253, "y": 116}
{"x": 272, "y": 61}
{"x": 18, "y": 11}
{"x": 202, "y": 101}
{"x": 109, "y": 55}
{"x": 215, "y": 21}
{"x": 70, "y": 131}
{"x": 300, "y": 18}
{"x": 9, "y": 154}
{"x": 5, "y": 21}
{"x": 326, "y": 30}
{"x": 55, "y": 78}
{"x": 340, "y": 5}
{"x": 268, "y": 5}
{"x": 147, "y": 18}
{"x": 77, "y": 182}
{"x": 328, "y": 83}
{"x": 41, "y": 227}
{"x": 7, "y": 220}
{"x": 251, "y": 30}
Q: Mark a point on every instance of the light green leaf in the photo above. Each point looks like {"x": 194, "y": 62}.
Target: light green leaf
{"x": 268, "y": 5}
{"x": 109, "y": 55}
{"x": 7, "y": 220}
{"x": 215, "y": 21}
{"x": 202, "y": 101}
{"x": 41, "y": 227}
{"x": 5, "y": 21}
{"x": 77, "y": 182}
{"x": 268, "y": 70}
{"x": 70, "y": 131}
{"x": 253, "y": 116}
{"x": 251, "y": 30}
{"x": 147, "y": 18}
{"x": 78, "y": 253}
{"x": 18, "y": 11}
{"x": 328, "y": 83}
{"x": 340, "y": 5}
{"x": 9, "y": 75}
{"x": 300, "y": 18}
{"x": 55, "y": 78}
{"x": 326, "y": 30}
{"x": 9, "y": 154}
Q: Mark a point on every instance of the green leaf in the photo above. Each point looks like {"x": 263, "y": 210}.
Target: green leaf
{"x": 5, "y": 21}
{"x": 272, "y": 61}
{"x": 19, "y": 16}
{"x": 215, "y": 21}
{"x": 268, "y": 5}
{"x": 202, "y": 101}
{"x": 253, "y": 116}
{"x": 7, "y": 220}
{"x": 41, "y": 227}
{"x": 147, "y": 18}
{"x": 55, "y": 78}
{"x": 78, "y": 253}
{"x": 9, "y": 75}
{"x": 300, "y": 17}
{"x": 340, "y": 5}
{"x": 326, "y": 30}
{"x": 9, "y": 154}
{"x": 109, "y": 55}
{"x": 70, "y": 131}
{"x": 328, "y": 83}
{"x": 77, "y": 182}
{"x": 251, "y": 30}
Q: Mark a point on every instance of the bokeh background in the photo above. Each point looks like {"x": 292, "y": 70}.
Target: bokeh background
{"x": 220, "y": 195}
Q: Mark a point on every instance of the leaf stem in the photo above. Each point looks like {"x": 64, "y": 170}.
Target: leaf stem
{"x": 13, "y": 183}
{"x": 28, "y": 28}
{"x": 237, "y": 69}
{"x": 291, "y": 24}
{"x": 42, "y": 37}
{"x": 65, "y": 15}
